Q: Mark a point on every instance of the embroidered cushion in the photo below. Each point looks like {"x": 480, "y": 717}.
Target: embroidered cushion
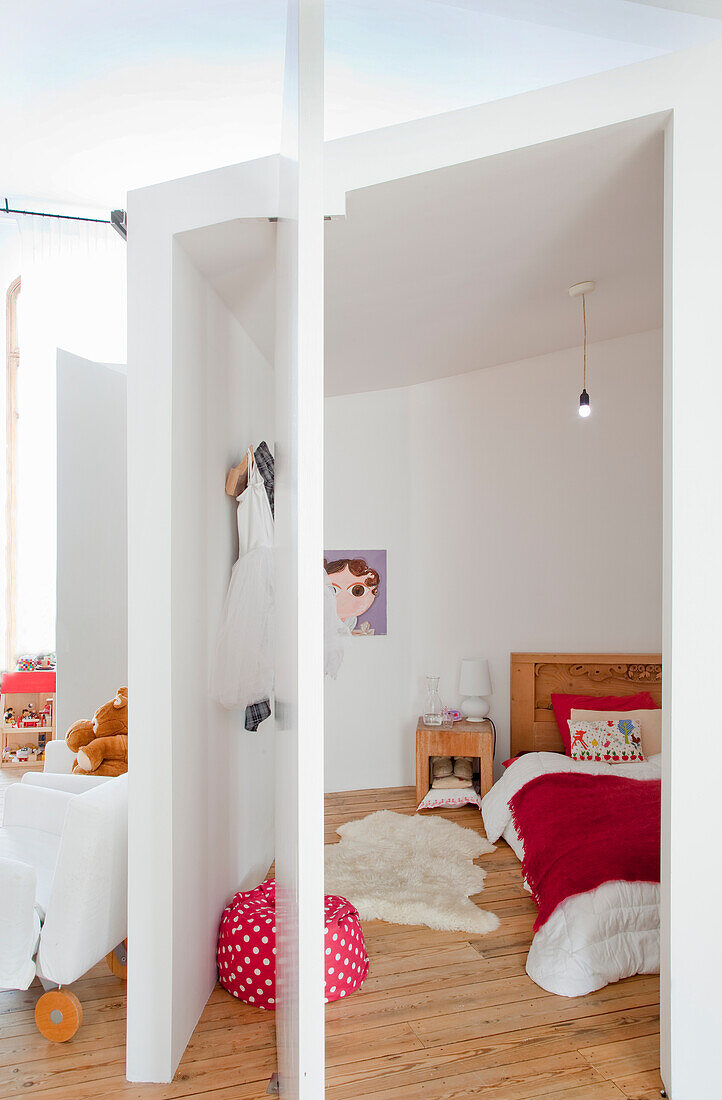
{"x": 449, "y": 799}
{"x": 562, "y": 705}
{"x": 246, "y": 954}
{"x": 616, "y": 741}
{"x": 649, "y": 719}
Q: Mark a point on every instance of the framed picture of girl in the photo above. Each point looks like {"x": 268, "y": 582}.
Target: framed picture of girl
{"x": 359, "y": 580}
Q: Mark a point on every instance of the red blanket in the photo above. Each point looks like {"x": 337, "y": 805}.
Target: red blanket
{"x": 582, "y": 830}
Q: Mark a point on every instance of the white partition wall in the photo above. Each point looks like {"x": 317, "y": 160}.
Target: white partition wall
{"x": 92, "y": 584}
{"x": 299, "y": 545}
{"x": 693, "y": 964}
{"x": 201, "y": 788}
{"x": 204, "y": 262}
{"x": 200, "y": 389}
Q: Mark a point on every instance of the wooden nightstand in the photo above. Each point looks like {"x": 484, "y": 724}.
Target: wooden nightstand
{"x": 475, "y": 739}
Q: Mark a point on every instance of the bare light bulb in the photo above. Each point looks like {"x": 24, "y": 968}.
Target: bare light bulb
{"x": 580, "y": 290}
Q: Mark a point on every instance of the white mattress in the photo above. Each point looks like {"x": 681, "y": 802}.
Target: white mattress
{"x": 596, "y": 937}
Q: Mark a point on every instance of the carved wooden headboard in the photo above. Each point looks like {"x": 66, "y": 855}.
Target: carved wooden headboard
{"x": 534, "y": 676}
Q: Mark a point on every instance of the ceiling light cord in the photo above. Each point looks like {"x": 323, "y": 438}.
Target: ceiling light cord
{"x": 584, "y": 316}
{"x": 580, "y": 290}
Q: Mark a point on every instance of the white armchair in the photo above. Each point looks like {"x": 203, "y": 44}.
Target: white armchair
{"x": 63, "y": 886}
{"x": 58, "y": 757}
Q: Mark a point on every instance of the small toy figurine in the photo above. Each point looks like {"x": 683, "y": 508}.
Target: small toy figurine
{"x": 44, "y": 661}
{"x": 10, "y": 717}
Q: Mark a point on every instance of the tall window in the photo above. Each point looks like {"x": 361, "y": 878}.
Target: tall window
{"x": 11, "y": 418}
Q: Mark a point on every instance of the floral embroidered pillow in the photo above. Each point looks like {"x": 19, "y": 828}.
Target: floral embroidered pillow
{"x": 450, "y": 799}
{"x": 614, "y": 741}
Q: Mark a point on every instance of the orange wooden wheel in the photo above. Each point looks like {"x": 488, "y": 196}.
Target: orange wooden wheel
{"x": 117, "y": 961}
{"x": 58, "y": 1015}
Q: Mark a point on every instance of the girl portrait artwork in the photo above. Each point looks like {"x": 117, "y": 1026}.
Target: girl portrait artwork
{"x": 359, "y": 581}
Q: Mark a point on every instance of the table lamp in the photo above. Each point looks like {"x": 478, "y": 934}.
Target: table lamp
{"x": 474, "y": 683}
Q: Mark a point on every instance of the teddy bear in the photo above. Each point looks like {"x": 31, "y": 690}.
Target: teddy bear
{"x": 101, "y": 742}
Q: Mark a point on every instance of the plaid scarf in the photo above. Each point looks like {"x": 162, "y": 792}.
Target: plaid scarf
{"x": 266, "y": 466}
{"x": 257, "y": 713}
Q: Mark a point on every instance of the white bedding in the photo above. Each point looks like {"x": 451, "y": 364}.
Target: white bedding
{"x": 597, "y": 937}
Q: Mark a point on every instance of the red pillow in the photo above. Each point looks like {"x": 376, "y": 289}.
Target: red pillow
{"x": 563, "y": 705}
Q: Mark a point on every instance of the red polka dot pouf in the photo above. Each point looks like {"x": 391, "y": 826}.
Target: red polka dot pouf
{"x": 247, "y": 947}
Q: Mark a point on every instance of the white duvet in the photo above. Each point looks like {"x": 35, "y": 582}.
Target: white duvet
{"x": 597, "y": 937}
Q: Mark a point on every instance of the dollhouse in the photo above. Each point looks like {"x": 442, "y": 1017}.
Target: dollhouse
{"x": 28, "y": 708}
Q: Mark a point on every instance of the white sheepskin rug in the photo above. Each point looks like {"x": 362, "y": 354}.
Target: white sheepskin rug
{"x": 410, "y": 870}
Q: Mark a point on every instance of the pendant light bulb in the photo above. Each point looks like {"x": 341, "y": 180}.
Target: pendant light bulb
{"x": 580, "y": 290}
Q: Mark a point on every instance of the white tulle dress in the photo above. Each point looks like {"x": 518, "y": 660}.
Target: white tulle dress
{"x": 243, "y": 661}
{"x": 336, "y": 633}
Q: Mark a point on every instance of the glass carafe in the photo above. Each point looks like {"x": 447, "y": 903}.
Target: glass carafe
{"x": 433, "y": 709}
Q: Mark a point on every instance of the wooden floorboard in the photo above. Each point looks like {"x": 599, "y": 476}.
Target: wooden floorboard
{"x": 441, "y": 1016}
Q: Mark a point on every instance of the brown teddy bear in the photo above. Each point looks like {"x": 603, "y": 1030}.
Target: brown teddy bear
{"x": 101, "y": 743}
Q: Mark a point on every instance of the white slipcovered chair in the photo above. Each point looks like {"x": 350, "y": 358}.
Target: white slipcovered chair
{"x": 63, "y": 887}
{"x": 58, "y": 757}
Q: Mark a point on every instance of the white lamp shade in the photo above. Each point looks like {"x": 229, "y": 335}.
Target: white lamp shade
{"x": 474, "y": 678}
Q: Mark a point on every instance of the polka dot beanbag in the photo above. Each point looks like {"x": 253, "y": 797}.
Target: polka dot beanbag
{"x": 247, "y": 947}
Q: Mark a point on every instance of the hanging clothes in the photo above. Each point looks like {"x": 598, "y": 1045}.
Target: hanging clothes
{"x": 259, "y": 712}
{"x": 243, "y": 661}
{"x": 336, "y": 632}
{"x": 267, "y": 467}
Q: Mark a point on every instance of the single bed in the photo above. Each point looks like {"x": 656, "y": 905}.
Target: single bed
{"x": 610, "y": 932}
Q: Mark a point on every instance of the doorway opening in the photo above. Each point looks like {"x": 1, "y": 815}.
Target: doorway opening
{"x": 454, "y": 364}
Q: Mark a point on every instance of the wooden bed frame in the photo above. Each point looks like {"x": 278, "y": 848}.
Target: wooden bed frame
{"x": 534, "y": 676}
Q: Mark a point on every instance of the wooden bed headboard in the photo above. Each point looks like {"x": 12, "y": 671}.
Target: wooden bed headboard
{"x": 534, "y": 676}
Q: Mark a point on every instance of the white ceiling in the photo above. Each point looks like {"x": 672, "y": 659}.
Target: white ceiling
{"x": 468, "y": 267}
{"x": 239, "y": 260}
{"x": 99, "y": 99}
{"x": 710, "y": 8}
